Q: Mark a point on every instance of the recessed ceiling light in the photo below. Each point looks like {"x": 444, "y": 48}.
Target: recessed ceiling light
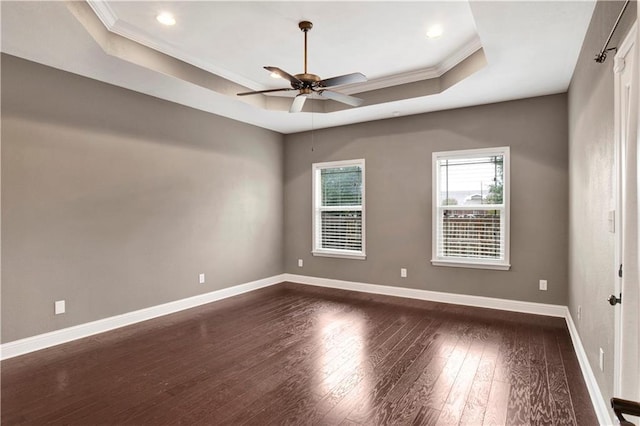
{"x": 434, "y": 32}
{"x": 165, "y": 18}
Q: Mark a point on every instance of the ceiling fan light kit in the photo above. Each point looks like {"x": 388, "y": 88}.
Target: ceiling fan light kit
{"x": 306, "y": 83}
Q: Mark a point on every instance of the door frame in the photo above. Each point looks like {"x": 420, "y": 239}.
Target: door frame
{"x": 620, "y": 128}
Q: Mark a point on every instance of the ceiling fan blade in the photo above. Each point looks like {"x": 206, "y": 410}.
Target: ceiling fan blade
{"x": 345, "y": 99}
{"x": 356, "y": 77}
{"x": 264, "y": 91}
{"x": 298, "y": 103}
{"x": 294, "y": 80}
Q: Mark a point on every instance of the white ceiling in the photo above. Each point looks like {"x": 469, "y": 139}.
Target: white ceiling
{"x": 530, "y": 48}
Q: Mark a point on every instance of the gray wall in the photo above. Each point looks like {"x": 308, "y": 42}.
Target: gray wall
{"x": 591, "y": 177}
{"x": 116, "y": 201}
{"x": 398, "y": 184}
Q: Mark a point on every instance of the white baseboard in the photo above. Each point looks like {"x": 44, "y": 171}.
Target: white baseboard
{"x": 435, "y": 296}
{"x": 598, "y": 401}
{"x": 41, "y": 341}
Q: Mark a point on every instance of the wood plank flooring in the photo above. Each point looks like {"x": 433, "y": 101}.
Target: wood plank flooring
{"x": 299, "y": 355}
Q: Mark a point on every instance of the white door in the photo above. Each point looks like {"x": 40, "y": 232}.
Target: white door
{"x": 627, "y": 287}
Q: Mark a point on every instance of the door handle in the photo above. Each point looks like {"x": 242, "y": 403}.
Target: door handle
{"x": 623, "y": 406}
{"x": 613, "y": 300}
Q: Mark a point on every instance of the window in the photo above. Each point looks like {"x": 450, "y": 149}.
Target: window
{"x": 471, "y": 208}
{"x": 338, "y": 209}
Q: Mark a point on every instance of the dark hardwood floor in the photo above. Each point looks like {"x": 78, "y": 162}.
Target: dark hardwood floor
{"x": 293, "y": 354}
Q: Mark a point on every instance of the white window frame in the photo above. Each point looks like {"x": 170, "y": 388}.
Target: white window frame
{"x": 437, "y": 210}
{"x": 317, "y": 210}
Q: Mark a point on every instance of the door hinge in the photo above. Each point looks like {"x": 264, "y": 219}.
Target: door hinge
{"x": 620, "y": 271}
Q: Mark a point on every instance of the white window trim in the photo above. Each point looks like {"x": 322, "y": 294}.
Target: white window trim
{"x": 344, "y": 254}
{"x": 436, "y": 260}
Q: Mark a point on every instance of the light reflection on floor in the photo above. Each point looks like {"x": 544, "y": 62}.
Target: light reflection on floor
{"x": 344, "y": 362}
{"x": 62, "y": 379}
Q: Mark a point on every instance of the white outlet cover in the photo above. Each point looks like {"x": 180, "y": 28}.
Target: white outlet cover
{"x": 201, "y": 278}
{"x": 300, "y": 263}
{"x": 59, "y": 307}
{"x": 543, "y": 285}
{"x": 403, "y": 272}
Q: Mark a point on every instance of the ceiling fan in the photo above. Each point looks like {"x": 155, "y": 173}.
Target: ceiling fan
{"x": 306, "y": 83}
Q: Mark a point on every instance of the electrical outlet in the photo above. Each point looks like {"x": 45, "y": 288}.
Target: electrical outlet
{"x": 601, "y": 360}
{"x": 300, "y": 263}
{"x": 579, "y": 312}
{"x": 543, "y": 285}
{"x": 201, "y": 278}
{"x": 403, "y": 272}
{"x": 59, "y": 307}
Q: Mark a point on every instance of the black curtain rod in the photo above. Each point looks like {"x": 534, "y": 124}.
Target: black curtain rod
{"x": 602, "y": 55}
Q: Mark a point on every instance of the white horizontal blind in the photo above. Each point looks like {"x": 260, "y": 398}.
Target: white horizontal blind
{"x": 338, "y": 217}
{"x": 477, "y": 235}
{"x": 471, "y": 207}
{"x": 342, "y": 230}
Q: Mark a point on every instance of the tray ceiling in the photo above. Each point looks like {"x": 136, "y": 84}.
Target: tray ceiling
{"x": 488, "y": 52}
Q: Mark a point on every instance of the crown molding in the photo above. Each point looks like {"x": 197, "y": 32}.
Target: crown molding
{"x": 129, "y": 32}
{"x": 406, "y": 77}
{"x": 436, "y": 71}
{"x": 104, "y": 12}
{"x": 466, "y": 50}
{"x": 111, "y": 22}
{"x": 391, "y": 80}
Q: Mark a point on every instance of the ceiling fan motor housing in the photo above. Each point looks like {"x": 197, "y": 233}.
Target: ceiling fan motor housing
{"x": 308, "y": 81}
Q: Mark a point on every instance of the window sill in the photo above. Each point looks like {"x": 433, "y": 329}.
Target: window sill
{"x": 472, "y": 265}
{"x": 340, "y": 255}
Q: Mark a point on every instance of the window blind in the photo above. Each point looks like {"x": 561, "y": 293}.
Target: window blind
{"x": 476, "y": 235}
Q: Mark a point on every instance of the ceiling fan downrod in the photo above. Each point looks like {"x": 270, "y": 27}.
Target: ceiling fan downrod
{"x": 305, "y": 26}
